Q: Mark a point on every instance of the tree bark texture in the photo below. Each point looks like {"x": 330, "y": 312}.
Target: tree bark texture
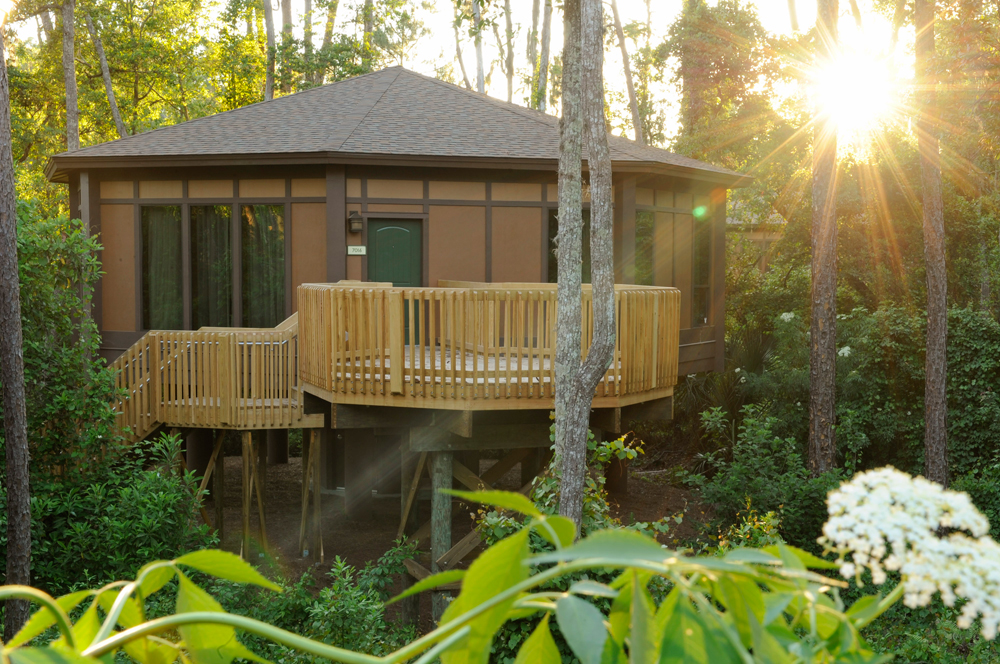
{"x": 46, "y": 23}
{"x": 542, "y": 78}
{"x": 12, "y": 375}
{"x": 823, "y": 328}
{"x": 510, "y": 50}
{"x": 286, "y": 45}
{"x": 793, "y": 16}
{"x": 935, "y": 394}
{"x": 307, "y": 37}
{"x": 633, "y": 102}
{"x": 477, "y": 24}
{"x": 569, "y": 264}
{"x": 577, "y": 395}
{"x": 269, "y": 30}
{"x": 532, "y": 52}
{"x": 69, "y": 75}
{"x": 106, "y": 75}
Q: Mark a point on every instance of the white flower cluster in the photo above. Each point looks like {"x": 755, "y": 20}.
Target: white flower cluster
{"x": 788, "y": 316}
{"x": 889, "y": 521}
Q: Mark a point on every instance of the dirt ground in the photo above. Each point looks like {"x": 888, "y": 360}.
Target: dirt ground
{"x": 649, "y": 498}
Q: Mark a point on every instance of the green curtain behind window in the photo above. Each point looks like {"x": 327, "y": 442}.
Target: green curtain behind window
{"x": 162, "y": 286}
{"x": 211, "y": 266}
{"x": 263, "y": 265}
{"x": 644, "y": 225}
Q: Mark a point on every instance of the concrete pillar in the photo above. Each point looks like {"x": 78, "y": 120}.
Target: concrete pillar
{"x": 441, "y": 472}
{"x": 277, "y": 446}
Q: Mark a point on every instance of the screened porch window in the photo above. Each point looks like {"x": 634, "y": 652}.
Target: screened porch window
{"x": 263, "y": 264}
{"x": 211, "y": 266}
{"x": 644, "y": 222}
{"x": 701, "y": 271}
{"x": 162, "y": 282}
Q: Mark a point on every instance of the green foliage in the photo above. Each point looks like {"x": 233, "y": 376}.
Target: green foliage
{"x": 765, "y": 471}
{"x": 105, "y": 530}
{"x": 68, "y": 390}
{"x": 750, "y": 605}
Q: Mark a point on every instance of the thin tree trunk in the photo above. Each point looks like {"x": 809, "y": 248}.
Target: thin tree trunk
{"x": 477, "y": 23}
{"x": 532, "y": 53}
{"x": 633, "y": 102}
{"x": 510, "y": 50}
{"x": 12, "y": 376}
{"x": 935, "y": 389}
{"x": 823, "y": 330}
{"x": 286, "y": 40}
{"x": 856, "y": 12}
{"x": 458, "y": 52}
{"x": 269, "y": 30}
{"x": 47, "y": 24}
{"x": 106, "y": 75}
{"x": 572, "y": 461}
{"x": 331, "y": 19}
{"x": 793, "y": 15}
{"x": 542, "y": 77}
{"x": 69, "y": 75}
{"x": 369, "y": 28}
{"x": 307, "y": 39}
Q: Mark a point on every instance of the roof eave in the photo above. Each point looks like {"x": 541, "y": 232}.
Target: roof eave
{"x": 60, "y": 166}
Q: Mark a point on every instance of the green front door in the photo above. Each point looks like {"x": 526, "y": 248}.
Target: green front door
{"x": 394, "y": 252}
{"x": 395, "y": 249}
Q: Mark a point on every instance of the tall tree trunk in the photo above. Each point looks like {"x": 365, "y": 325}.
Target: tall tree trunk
{"x": 576, "y": 394}
{"x": 823, "y": 330}
{"x": 477, "y": 23}
{"x": 510, "y": 50}
{"x": 69, "y": 75}
{"x": 569, "y": 428}
{"x": 369, "y": 27}
{"x": 542, "y": 78}
{"x": 331, "y": 19}
{"x": 286, "y": 45}
{"x": 47, "y": 23}
{"x": 106, "y": 75}
{"x": 793, "y": 15}
{"x": 532, "y": 53}
{"x": 935, "y": 394}
{"x": 12, "y": 375}
{"x": 269, "y": 30}
{"x": 693, "y": 75}
{"x": 307, "y": 40}
{"x": 458, "y": 51}
{"x": 633, "y": 102}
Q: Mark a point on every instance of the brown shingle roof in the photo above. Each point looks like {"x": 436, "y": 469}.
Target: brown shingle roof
{"x": 390, "y": 112}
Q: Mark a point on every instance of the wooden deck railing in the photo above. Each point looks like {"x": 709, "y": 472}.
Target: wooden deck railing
{"x": 212, "y": 378}
{"x": 473, "y": 345}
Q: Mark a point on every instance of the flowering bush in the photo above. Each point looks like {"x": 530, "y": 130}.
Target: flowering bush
{"x": 884, "y": 520}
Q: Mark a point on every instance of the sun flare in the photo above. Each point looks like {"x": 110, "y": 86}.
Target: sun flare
{"x": 857, "y": 93}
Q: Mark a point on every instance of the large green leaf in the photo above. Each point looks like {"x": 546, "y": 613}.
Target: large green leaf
{"x": 582, "y": 625}
{"x": 743, "y": 600}
{"x": 804, "y": 557}
{"x": 752, "y": 556}
{"x": 47, "y": 656}
{"x": 644, "y": 640}
{"x": 618, "y": 547}
{"x": 43, "y": 618}
{"x": 540, "y": 647}
{"x": 225, "y": 565}
{"x": 507, "y": 500}
{"x": 207, "y": 643}
{"x": 431, "y": 582}
{"x": 154, "y": 576}
{"x": 558, "y": 530}
{"x": 690, "y": 637}
{"x": 765, "y": 647}
{"x": 497, "y": 569}
{"x": 588, "y": 587}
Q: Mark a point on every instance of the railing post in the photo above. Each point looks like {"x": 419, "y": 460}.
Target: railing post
{"x": 397, "y": 356}
{"x": 225, "y": 369}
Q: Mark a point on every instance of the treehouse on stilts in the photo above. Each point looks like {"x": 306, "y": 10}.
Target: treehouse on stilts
{"x": 372, "y": 261}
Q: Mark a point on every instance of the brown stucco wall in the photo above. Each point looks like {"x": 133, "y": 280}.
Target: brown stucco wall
{"x": 308, "y": 230}
{"x": 518, "y": 233}
{"x": 118, "y": 262}
{"x": 457, "y": 247}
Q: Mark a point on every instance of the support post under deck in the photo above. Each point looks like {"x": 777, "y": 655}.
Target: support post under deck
{"x": 441, "y": 472}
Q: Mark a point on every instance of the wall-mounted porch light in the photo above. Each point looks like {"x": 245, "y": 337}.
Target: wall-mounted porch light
{"x": 355, "y": 222}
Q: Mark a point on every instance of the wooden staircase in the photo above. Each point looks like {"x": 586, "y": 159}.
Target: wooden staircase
{"x": 212, "y": 378}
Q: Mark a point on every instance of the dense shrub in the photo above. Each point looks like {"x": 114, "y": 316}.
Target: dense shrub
{"x": 67, "y": 386}
{"x": 104, "y": 530}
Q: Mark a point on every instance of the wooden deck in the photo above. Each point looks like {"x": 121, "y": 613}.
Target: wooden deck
{"x": 462, "y": 346}
{"x": 473, "y": 346}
